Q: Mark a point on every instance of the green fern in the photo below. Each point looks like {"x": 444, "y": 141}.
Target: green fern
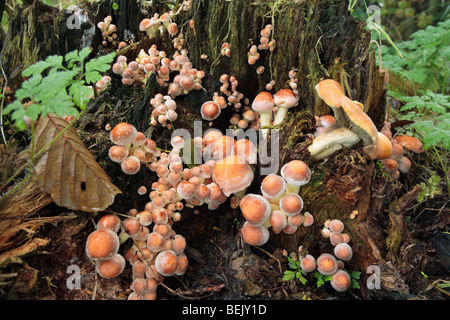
{"x": 64, "y": 90}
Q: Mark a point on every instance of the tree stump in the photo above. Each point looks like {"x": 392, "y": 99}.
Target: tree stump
{"x": 319, "y": 39}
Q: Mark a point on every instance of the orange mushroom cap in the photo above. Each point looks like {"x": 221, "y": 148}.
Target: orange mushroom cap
{"x": 340, "y": 281}
{"x": 331, "y": 92}
{"x": 255, "y": 209}
{"x": 291, "y": 204}
{"x": 232, "y": 174}
{"x": 166, "y": 263}
{"x": 112, "y": 267}
{"x": 308, "y": 263}
{"x": 102, "y": 244}
{"x": 246, "y": 149}
{"x": 410, "y": 143}
{"x": 210, "y": 110}
{"x": 296, "y": 173}
{"x": 123, "y": 134}
{"x": 263, "y": 102}
{"x": 273, "y": 186}
{"x": 254, "y": 235}
{"x": 327, "y": 264}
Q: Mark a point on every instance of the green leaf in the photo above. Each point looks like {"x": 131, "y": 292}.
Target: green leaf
{"x": 33, "y": 111}
{"x": 80, "y": 94}
{"x": 35, "y": 69}
{"x": 92, "y": 77}
{"x": 288, "y": 275}
{"x": 101, "y": 64}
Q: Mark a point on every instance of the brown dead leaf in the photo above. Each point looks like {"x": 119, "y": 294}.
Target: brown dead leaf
{"x": 68, "y": 171}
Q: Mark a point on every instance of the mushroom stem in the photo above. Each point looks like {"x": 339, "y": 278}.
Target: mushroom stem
{"x": 266, "y": 120}
{"x": 290, "y": 188}
{"x": 280, "y": 115}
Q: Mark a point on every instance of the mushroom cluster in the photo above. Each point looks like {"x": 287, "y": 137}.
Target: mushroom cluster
{"x": 332, "y": 264}
{"x": 108, "y": 31}
{"x": 102, "y": 247}
{"x": 155, "y": 25}
{"x": 156, "y": 61}
{"x": 164, "y": 110}
{"x": 157, "y": 252}
{"x": 280, "y": 206}
{"x": 264, "y": 103}
{"x": 103, "y": 83}
{"x": 246, "y": 119}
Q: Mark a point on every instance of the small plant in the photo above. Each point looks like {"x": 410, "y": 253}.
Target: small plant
{"x": 321, "y": 279}
{"x": 295, "y": 273}
{"x": 64, "y": 90}
{"x": 430, "y": 189}
{"x": 431, "y": 115}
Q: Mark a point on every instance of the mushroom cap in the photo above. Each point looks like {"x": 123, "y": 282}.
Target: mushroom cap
{"x": 273, "y": 186}
{"x": 410, "y": 143}
{"x": 359, "y": 122}
{"x": 331, "y": 92}
{"x": 336, "y": 226}
{"x": 254, "y": 235}
{"x": 166, "y": 263}
{"x": 112, "y": 267}
{"x": 211, "y": 136}
{"x": 210, "y": 110}
{"x": 285, "y": 98}
{"x": 109, "y": 221}
{"x": 340, "y": 281}
{"x": 123, "y": 134}
{"x": 246, "y": 149}
{"x": 155, "y": 242}
{"x": 186, "y": 190}
{"x": 278, "y": 220}
{"x": 131, "y": 165}
{"x": 291, "y": 204}
{"x": 145, "y": 24}
{"x": 404, "y": 164}
{"x": 255, "y": 209}
{"x": 308, "y": 263}
{"x": 296, "y": 173}
{"x": 263, "y": 102}
{"x": 308, "y": 219}
{"x": 326, "y": 264}
{"x": 118, "y": 153}
{"x": 223, "y": 147}
{"x": 343, "y": 251}
{"x": 232, "y": 174}
{"x": 182, "y": 264}
{"x": 102, "y": 244}
{"x": 384, "y": 149}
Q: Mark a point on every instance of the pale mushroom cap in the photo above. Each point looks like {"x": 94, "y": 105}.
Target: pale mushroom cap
{"x": 255, "y": 235}
{"x": 340, "y": 281}
{"x": 145, "y": 24}
{"x": 123, "y": 134}
{"x": 285, "y": 98}
{"x": 291, "y": 204}
{"x": 327, "y": 264}
{"x": 296, "y": 173}
{"x": 210, "y": 110}
{"x": 309, "y": 219}
{"x": 255, "y": 209}
{"x": 131, "y": 165}
{"x": 166, "y": 263}
{"x": 118, "y": 153}
{"x": 232, "y": 174}
{"x": 308, "y": 263}
{"x": 263, "y": 102}
{"x": 109, "y": 221}
{"x": 273, "y": 186}
{"x": 331, "y": 92}
{"x": 278, "y": 220}
{"x": 246, "y": 149}
{"x": 336, "y": 226}
{"x": 223, "y": 147}
{"x": 343, "y": 251}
